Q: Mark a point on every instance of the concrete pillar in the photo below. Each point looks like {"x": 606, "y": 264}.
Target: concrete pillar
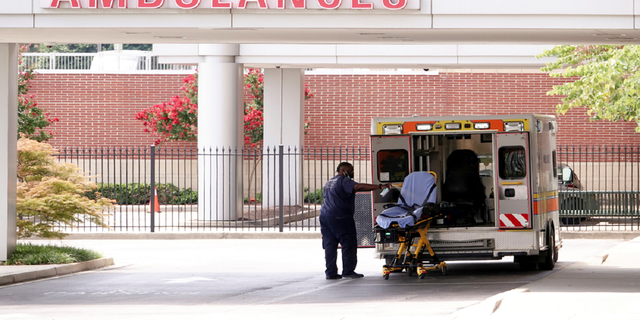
{"x": 284, "y": 125}
{"x": 8, "y": 147}
{"x": 220, "y": 132}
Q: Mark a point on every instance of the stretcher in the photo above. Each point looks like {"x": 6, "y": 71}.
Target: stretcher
{"x": 407, "y": 223}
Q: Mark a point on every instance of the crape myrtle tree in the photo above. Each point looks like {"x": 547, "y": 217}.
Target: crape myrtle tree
{"x": 177, "y": 119}
{"x": 31, "y": 119}
{"x": 607, "y": 80}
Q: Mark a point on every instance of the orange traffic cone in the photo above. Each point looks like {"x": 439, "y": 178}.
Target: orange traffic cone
{"x": 156, "y": 204}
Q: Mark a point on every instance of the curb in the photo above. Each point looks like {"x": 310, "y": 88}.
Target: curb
{"x": 190, "y": 236}
{"x": 599, "y": 235}
{"x": 567, "y": 235}
{"x": 55, "y": 270}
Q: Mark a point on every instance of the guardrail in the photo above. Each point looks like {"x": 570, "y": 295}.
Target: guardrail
{"x": 102, "y": 61}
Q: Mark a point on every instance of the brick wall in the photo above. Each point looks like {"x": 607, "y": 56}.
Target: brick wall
{"x": 345, "y": 104}
{"x": 99, "y": 109}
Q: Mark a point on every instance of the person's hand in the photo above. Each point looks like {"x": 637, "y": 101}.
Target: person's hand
{"x": 388, "y": 185}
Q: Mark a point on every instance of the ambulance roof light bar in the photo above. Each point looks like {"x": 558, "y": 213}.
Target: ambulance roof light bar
{"x": 392, "y": 129}
{"x": 514, "y": 126}
{"x": 452, "y": 126}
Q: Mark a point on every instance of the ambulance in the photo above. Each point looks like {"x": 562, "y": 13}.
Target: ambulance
{"x": 495, "y": 174}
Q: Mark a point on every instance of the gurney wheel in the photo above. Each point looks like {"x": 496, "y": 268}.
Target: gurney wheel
{"x": 444, "y": 270}
{"x": 411, "y": 271}
{"x": 423, "y": 275}
{"x": 386, "y": 276}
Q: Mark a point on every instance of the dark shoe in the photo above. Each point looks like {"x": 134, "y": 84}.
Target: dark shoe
{"x": 353, "y": 275}
{"x": 336, "y": 277}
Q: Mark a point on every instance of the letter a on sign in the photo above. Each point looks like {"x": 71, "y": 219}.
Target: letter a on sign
{"x": 262, "y": 4}
{"x": 74, "y": 3}
{"x": 150, "y": 5}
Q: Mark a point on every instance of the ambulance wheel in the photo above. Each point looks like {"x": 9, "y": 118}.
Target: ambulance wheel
{"x": 550, "y": 257}
{"x": 386, "y": 276}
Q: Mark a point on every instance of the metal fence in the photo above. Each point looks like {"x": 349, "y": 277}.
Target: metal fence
{"x": 279, "y": 188}
{"x": 606, "y": 194}
{"x": 108, "y": 60}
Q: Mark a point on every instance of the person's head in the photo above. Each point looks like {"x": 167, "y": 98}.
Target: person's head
{"x": 345, "y": 167}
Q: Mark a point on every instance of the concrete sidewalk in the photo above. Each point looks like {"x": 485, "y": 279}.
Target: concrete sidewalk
{"x": 603, "y": 287}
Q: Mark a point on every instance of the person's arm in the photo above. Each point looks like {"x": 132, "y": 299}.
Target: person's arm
{"x": 370, "y": 187}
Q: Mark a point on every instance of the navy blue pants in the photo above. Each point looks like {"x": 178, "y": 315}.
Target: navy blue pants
{"x": 339, "y": 231}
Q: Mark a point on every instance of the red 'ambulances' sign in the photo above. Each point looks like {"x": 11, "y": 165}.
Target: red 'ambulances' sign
{"x": 232, "y": 4}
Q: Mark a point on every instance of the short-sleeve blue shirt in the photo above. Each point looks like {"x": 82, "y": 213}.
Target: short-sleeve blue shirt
{"x": 339, "y": 197}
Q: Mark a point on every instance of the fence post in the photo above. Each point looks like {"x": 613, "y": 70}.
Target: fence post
{"x": 52, "y": 61}
{"x": 147, "y": 61}
{"x": 153, "y": 187}
{"x": 280, "y": 187}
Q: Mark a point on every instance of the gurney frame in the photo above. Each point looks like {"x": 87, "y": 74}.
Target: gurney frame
{"x": 405, "y": 259}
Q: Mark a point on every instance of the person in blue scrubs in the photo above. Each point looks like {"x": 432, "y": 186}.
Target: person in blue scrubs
{"x": 337, "y": 225}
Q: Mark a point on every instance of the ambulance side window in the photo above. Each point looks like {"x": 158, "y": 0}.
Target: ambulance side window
{"x": 393, "y": 165}
{"x": 512, "y": 163}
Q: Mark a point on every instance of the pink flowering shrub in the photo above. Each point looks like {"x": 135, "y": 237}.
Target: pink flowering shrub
{"x": 177, "y": 120}
{"x": 31, "y": 119}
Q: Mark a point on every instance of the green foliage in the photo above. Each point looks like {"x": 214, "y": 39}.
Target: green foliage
{"x": 31, "y": 119}
{"x": 32, "y": 254}
{"x": 258, "y": 198}
{"x": 607, "y": 80}
{"x": 139, "y": 193}
{"x": 313, "y": 197}
{"x": 51, "y": 193}
{"x": 86, "y": 47}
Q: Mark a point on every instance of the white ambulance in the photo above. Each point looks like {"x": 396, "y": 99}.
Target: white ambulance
{"x": 496, "y": 175}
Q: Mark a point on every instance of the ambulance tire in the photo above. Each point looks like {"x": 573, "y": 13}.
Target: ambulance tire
{"x": 550, "y": 257}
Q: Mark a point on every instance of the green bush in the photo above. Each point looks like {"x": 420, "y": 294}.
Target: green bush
{"x": 313, "y": 197}
{"x": 139, "y": 193}
{"x": 31, "y": 254}
{"x": 258, "y": 198}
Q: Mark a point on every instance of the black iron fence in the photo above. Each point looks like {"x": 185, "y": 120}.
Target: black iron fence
{"x": 603, "y": 194}
{"x": 280, "y": 188}
{"x": 262, "y": 189}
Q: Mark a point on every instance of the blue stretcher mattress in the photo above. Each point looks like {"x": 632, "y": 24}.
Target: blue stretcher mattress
{"x": 416, "y": 187}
